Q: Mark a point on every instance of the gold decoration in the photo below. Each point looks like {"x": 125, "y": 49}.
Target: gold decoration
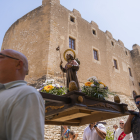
{"x": 116, "y": 99}
{"x": 80, "y": 99}
{"x": 71, "y": 51}
{"x": 53, "y": 107}
{"x": 72, "y": 86}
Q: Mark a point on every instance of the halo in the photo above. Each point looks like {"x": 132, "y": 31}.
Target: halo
{"x": 71, "y": 51}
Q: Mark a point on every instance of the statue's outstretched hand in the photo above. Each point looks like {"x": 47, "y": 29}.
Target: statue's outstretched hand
{"x": 61, "y": 62}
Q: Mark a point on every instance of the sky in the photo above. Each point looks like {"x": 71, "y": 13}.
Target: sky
{"x": 120, "y": 17}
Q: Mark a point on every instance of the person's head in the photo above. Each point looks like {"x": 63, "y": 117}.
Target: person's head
{"x": 137, "y": 101}
{"x": 92, "y": 124}
{"x": 13, "y": 66}
{"x": 71, "y": 134}
{"x": 115, "y": 126}
{"x": 121, "y": 124}
{"x": 69, "y": 57}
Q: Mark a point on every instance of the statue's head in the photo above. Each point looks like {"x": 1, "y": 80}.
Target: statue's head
{"x": 69, "y": 57}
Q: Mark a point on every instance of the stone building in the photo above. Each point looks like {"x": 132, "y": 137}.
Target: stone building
{"x": 39, "y": 32}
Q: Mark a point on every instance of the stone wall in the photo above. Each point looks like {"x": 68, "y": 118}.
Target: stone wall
{"x": 38, "y": 33}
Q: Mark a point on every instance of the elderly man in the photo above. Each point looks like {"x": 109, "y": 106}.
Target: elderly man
{"x": 94, "y": 132}
{"x": 133, "y": 122}
{"x": 21, "y": 106}
{"x": 120, "y": 135}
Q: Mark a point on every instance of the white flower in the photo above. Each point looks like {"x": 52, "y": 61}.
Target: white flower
{"x": 49, "y": 81}
{"x": 58, "y": 85}
{"x": 101, "y": 86}
{"x": 37, "y": 89}
{"x": 92, "y": 85}
{"x": 54, "y": 85}
{"x": 92, "y": 78}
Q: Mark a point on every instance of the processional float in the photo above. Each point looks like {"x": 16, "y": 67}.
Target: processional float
{"x": 77, "y": 108}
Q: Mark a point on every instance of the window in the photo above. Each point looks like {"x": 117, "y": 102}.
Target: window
{"x": 112, "y": 43}
{"x": 72, "y": 19}
{"x": 130, "y": 72}
{"x": 94, "y": 32}
{"x": 126, "y": 52}
{"x": 115, "y": 64}
{"x": 95, "y": 53}
{"x": 72, "y": 43}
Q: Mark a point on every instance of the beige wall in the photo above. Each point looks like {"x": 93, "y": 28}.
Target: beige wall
{"x": 39, "y": 32}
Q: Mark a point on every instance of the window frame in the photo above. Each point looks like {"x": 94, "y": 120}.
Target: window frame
{"x": 96, "y": 55}
{"x": 130, "y": 71}
{"x": 112, "y": 43}
{"x": 71, "y": 43}
{"x": 72, "y": 19}
{"x": 115, "y": 64}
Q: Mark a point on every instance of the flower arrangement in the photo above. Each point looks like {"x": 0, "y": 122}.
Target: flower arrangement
{"x": 95, "y": 88}
{"x": 50, "y": 87}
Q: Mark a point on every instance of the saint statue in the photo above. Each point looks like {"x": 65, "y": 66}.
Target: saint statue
{"x": 70, "y": 69}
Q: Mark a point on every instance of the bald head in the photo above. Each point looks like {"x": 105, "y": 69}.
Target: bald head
{"x": 16, "y": 64}
{"x": 121, "y": 124}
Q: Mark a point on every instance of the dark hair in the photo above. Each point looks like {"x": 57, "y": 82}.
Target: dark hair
{"x": 115, "y": 125}
{"x": 71, "y": 57}
{"x": 138, "y": 96}
{"x": 72, "y": 133}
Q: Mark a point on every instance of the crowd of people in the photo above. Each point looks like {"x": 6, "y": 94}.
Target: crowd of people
{"x": 22, "y": 110}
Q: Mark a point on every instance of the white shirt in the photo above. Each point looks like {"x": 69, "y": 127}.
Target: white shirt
{"x": 21, "y": 112}
{"x": 119, "y": 131}
{"x": 91, "y": 134}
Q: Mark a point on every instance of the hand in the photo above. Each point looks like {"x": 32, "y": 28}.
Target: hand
{"x": 61, "y": 62}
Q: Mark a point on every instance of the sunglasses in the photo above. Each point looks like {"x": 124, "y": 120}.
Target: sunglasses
{"x": 8, "y": 56}
{"x": 121, "y": 123}
{"x": 137, "y": 102}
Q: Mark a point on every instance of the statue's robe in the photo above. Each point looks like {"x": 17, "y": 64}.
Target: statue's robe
{"x": 71, "y": 72}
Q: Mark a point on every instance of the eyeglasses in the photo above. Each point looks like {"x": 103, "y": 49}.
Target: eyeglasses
{"x": 8, "y": 56}
{"x": 137, "y": 102}
{"x": 121, "y": 123}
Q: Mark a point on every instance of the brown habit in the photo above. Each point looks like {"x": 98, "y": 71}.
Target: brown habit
{"x": 71, "y": 72}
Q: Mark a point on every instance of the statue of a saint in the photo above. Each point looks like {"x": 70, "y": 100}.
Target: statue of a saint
{"x": 70, "y": 69}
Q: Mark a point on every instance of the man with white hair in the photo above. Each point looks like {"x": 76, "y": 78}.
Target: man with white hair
{"x": 120, "y": 135}
{"x": 21, "y": 106}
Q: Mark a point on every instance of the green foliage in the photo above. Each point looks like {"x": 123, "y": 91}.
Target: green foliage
{"x": 96, "y": 89}
{"x": 109, "y": 135}
{"x": 56, "y": 91}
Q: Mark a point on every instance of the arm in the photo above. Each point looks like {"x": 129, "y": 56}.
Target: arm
{"x": 26, "y": 118}
{"x": 127, "y": 126}
{"x": 63, "y": 69}
{"x": 101, "y": 133}
{"x": 76, "y": 135}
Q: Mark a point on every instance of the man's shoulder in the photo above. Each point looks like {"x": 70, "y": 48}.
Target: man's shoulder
{"x": 22, "y": 91}
{"x": 86, "y": 128}
{"x": 118, "y": 130}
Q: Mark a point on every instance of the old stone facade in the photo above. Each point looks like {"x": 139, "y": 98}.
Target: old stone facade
{"x": 39, "y": 32}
